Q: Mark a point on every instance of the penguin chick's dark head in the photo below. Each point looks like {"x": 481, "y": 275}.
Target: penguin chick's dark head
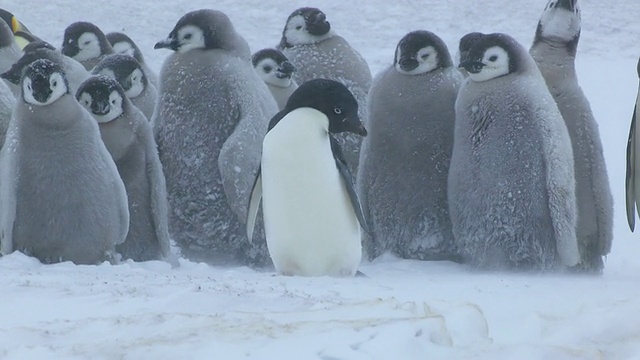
{"x": 466, "y": 42}
{"x": 43, "y": 83}
{"x": 200, "y": 29}
{"x": 126, "y": 70}
{"x": 84, "y": 41}
{"x": 332, "y": 99}
{"x": 495, "y": 55}
{"x": 122, "y": 44}
{"x": 103, "y": 97}
{"x": 14, "y": 74}
{"x": 421, "y": 52}
{"x": 305, "y": 25}
{"x": 272, "y": 61}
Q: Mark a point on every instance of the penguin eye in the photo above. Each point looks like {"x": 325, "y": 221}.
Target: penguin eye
{"x": 54, "y": 83}
{"x": 267, "y": 69}
{"x": 29, "y": 87}
{"x": 493, "y": 58}
{"x": 337, "y": 110}
{"x": 425, "y": 56}
{"x": 113, "y": 102}
{"x": 86, "y": 42}
{"x": 188, "y": 36}
{"x": 298, "y": 27}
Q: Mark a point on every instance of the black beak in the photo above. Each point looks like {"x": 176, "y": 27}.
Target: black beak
{"x": 567, "y": 4}
{"x": 12, "y": 75}
{"x": 472, "y": 66}
{"x": 100, "y": 107}
{"x": 408, "y": 63}
{"x": 317, "y": 24}
{"x": 169, "y": 43}
{"x": 41, "y": 90}
{"x": 360, "y": 129}
{"x": 285, "y": 70}
{"x": 70, "y": 49}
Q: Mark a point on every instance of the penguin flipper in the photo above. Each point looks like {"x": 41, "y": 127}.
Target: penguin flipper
{"x": 254, "y": 204}
{"x": 343, "y": 169}
{"x": 8, "y": 174}
{"x": 158, "y": 187}
{"x": 630, "y": 175}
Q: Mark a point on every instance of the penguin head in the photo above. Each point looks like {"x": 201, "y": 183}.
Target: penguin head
{"x": 200, "y": 29}
{"x": 122, "y": 44}
{"x": 466, "y": 42}
{"x": 273, "y": 67}
{"x": 560, "y": 23}
{"x": 495, "y": 55}
{"x": 305, "y": 25}
{"x": 103, "y": 97}
{"x": 33, "y": 52}
{"x": 421, "y": 52}
{"x": 332, "y": 99}
{"x": 43, "y": 83}
{"x": 126, "y": 70}
{"x": 84, "y": 41}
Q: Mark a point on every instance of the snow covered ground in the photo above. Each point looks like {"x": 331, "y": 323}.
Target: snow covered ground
{"x": 404, "y": 309}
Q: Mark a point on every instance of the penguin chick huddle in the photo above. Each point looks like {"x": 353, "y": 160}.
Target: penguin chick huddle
{"x": 299, "y": 157}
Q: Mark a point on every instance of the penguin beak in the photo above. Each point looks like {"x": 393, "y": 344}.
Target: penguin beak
{"x": 41, "y": 90}
{"x": 169, "y": 43}
{"x": 317, "y": 24}
{"x": 12, "y": 75}
{"x": 472, "y": 66}
{"x": 408, "y": 63}
{"x": 285, "y": 70}
{"x": 70, "y": 48}
{"x": 100, "y": 107}
{"x": 354, "y": 125}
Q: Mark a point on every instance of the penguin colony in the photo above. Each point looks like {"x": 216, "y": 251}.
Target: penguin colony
{"x": 299, "y": 158}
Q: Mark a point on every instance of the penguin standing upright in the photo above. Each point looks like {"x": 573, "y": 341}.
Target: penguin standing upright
{"x": 61, "y": 195}
{"x": 212, "y": 113}
{"x": 511, "y": 184}
{"x": 554, "y": 50}
{"x": 128, "y": 137}
{"x": 312, "y": 215}
{"x": 404, "y": 161}
{"x": 314, "y": 48}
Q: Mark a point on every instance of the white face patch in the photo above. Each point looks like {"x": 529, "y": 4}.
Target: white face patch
{"x": 89, "y": 46}
{"x": 296, "y": 32}
{"x": 266, "y": 68}
{"x": 137, "y": 85}
{"x": 496, "y": 63}
{"x": 115, "y": 109}
{"x": 123, "y": 47}
{"x": 85, "y": 100}
{"x": 427, "y": 58}
{"x": 560, "y": 23}
{"x": 56, "y": 84}
{"x": 190, "y": 37}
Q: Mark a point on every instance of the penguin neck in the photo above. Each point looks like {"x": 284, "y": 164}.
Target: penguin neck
{"x": 556, "y": 63}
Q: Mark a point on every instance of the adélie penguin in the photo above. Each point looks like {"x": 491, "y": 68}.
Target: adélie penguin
{"x": 312, "y": 215}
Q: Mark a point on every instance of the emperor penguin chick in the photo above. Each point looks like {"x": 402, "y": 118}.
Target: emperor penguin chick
{"x": 554, "y": 50}
{"x": 122, "y": 44}
{"x": 86, "y": 43}
{"x": 511, "y": 183}
{"x": 404, "y": 161}
{"x": 126, "y": 70}
{"x": 276, "y": 71}
{"x": 129, "y": 139}
{"x": 62, "y": 196}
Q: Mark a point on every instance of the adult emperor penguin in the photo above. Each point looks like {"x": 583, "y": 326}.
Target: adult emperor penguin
{"x": 129, "y": 139}
{"x": 20, "y": 32}
{"x": 632, "y": 184}
{"x": 511, "y": 181}
{"x": 210, "y": 150}
{"x": 10, "y": 52}
{"x": 86, "y": 43}
{"x": 132, "y": 78}
{"x": 75, "y": 73}
{"x": 276, "y": 71}
{"x": 314, "y": 48}
{"x": 62, "y": 197}
{"x": 404, "y": 161}
{"x": 312, "y": 215}
{"x": 554, "y": 50}
{"x": 122, "y": 44}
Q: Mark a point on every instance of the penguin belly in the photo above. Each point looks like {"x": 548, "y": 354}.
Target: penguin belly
{"x": 310, "y": 224}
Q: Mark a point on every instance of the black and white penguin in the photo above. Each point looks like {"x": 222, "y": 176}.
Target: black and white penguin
{"x": 85, "y": 42}
{"x": 276, "y": 71}
{"x": 312, "y": 215}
